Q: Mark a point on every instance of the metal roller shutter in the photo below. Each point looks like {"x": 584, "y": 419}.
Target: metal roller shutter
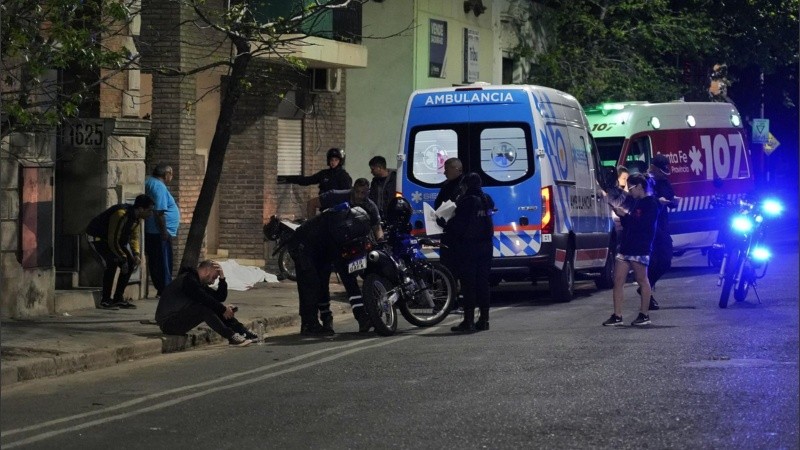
{"x": 290, "y": 147}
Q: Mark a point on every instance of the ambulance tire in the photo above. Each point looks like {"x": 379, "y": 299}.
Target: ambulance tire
{"x": 606, "y": 278}
{"x": 562, "y": 282}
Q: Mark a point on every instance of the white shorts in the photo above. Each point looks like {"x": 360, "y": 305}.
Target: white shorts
{"x": 641, "y": 259}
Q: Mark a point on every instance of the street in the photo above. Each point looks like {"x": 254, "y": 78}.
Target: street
{"x": 546, "y": 375}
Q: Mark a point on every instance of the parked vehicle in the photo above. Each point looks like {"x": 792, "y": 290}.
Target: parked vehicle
{"x": 706, "y": 147}
{"x": 531, "y": 147}
{"x": 279, "y": 231}
{"x": 745, "y": 257}
{"x": 398, "y": 276}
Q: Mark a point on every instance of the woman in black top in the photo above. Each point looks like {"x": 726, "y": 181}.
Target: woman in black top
{"x": 636, "y": 241}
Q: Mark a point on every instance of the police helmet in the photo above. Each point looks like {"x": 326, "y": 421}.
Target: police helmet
{"x": 398, "y": 210}
{"x": 334, "y": 153}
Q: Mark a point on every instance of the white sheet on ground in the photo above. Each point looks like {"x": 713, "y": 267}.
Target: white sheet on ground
{"x": 242, "y": 278}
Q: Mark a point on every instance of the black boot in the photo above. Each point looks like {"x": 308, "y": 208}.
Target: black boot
{"x": 468, "y": 324}
{"x": 314, "y": 329}
{"x": 327, "y": 322}
{"x": 483, "y": 321}
{"x": 364, "y": 324}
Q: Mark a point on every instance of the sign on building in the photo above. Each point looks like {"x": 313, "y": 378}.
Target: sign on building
{"x": 438, "y": 49}
{"x": 471, "y": 41}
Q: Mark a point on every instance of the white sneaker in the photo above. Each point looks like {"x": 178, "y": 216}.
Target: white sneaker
{"x": 239, "y": 341}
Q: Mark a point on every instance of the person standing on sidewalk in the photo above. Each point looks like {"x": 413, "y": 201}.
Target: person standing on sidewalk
{"x": 472, "y": 228}
{"x": 636, "y": 243}
{"x": 382, "y": 187}
{"x": 161, "y": 228}
{"x": 114, "y": 237}
{"x": 189, "y": 300}
{"x": 661, "y": 258}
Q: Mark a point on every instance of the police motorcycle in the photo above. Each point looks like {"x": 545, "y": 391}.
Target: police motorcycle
{"x": 279, "y": 230}
{"x": 744, "y": 256}
{"x": 397, "y": 276}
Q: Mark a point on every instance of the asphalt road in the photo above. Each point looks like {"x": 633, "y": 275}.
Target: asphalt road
{"x": 546, "y": 375}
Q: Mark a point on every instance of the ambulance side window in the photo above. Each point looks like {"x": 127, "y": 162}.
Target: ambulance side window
{"x": 638, "y": 155}
{"x": 431, "y": 149}
{"x": 504, "y": 154}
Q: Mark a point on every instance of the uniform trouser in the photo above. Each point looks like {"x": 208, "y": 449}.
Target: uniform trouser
{"x": 313, "y": 276}
{"x": 111, "y": 264}
{"x": 451, "y": 259}
{"x": 475, "y": 260}
{"x": 159, "y": 260}
{"x": 350, "y": 282}
{"x": 194, "y": 315}
{"x": 660, "y": 259}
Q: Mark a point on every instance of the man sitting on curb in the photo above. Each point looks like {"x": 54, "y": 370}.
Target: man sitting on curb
{"x": 189, "y": 300}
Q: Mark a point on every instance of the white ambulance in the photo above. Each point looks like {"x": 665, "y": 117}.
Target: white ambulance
{"x": 706, "y": 147}
{"x": 532, "y": 149}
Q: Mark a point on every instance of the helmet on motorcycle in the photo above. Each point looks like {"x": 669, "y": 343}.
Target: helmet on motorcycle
{"x": 398, "y": 210}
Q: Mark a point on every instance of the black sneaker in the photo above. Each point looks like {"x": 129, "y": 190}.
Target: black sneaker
{"x": 641, "y": 319}
{"x": 237, "y": 340}
{"x": 364, "y": 326}
{"x": 654, "y": 304}
{"x": 481, "y": 325}
{"x": 464, "y": 327}
{"x": 108, "y": 304}
{"x": 252, "y": 336}
{"x": 123, "y": 304}
{"x": 315, "y": 329}
{"x": 613, "y": 321}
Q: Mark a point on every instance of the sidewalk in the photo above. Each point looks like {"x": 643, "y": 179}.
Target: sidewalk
{"x": 94, "y": 338}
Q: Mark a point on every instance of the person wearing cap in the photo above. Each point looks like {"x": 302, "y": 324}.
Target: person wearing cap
{"x": 332, "y": 178}
{"x": 661, "y": 257}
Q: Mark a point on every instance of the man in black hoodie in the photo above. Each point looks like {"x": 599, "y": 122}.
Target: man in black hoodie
{"x": 332, "y": 178}
{"x": 189, "y": 301}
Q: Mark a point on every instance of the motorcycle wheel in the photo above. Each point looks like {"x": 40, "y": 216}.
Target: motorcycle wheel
{"x": 742, "y": 287}
{"x": 382, "y": 313}
{"x": 286, "y": 265}
{"x": 730, "y": 273}
{"x": 442, "y": 287}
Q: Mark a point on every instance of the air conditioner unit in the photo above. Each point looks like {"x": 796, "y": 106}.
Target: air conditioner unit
{"x": 326, "y": 80}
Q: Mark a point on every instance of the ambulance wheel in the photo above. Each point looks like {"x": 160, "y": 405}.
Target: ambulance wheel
{"x": 562, "y": 282}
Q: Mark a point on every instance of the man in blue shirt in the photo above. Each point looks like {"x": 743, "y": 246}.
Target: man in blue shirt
{"x": 161, "y": 228}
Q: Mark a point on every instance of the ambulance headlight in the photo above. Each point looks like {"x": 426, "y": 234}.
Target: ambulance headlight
{"x": 655, "y": 123}
{"x": 736, "y": 120}
{"x": 691, "y": 121}
{"x": 742, "y": 224}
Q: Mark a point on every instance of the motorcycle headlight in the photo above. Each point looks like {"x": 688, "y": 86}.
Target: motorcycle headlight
{"x": 742, "y": 224}
{"x": 772, "y": 207}
{"x": 761, "y": 254}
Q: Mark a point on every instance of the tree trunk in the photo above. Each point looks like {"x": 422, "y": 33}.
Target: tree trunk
{"x": 216, "y": 154}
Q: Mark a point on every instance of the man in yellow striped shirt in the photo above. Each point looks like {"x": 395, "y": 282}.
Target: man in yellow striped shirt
{"x": 114, "y": 235}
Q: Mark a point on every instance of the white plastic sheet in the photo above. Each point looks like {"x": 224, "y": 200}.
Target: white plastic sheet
{"x": 242, "y": 278}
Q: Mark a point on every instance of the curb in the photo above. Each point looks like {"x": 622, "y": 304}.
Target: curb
{"x": 69, "y": 363}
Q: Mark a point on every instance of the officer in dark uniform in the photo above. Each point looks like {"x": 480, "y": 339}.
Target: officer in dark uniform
{"x": 332, "y": 178}
{"x": 452, "y": 189}
{"x": 661, "y": 257}
{"x": 472, "y": 229}
{"x": 357, "y": 196}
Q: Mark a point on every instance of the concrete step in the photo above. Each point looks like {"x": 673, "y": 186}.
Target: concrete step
{"x": 73, "y": 299}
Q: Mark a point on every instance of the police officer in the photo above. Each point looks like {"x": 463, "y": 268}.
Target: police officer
{"x": 334, "y": 177}
{"x": 661, "y": 257}
{"x": 472, "y": 228}
{"x": 356, "y": 197}
{"x": 452, "y": 189}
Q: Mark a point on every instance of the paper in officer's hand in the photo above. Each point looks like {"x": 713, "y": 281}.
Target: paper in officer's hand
{"x": 431, "y": 227}
{"x": 446, "y": 210}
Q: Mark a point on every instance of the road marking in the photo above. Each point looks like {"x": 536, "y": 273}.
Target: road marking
{"x": 346, "y": 352}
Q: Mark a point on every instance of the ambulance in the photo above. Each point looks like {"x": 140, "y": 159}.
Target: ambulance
{"x": 705, "y": 144}
{"x": 532, "y": 149}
